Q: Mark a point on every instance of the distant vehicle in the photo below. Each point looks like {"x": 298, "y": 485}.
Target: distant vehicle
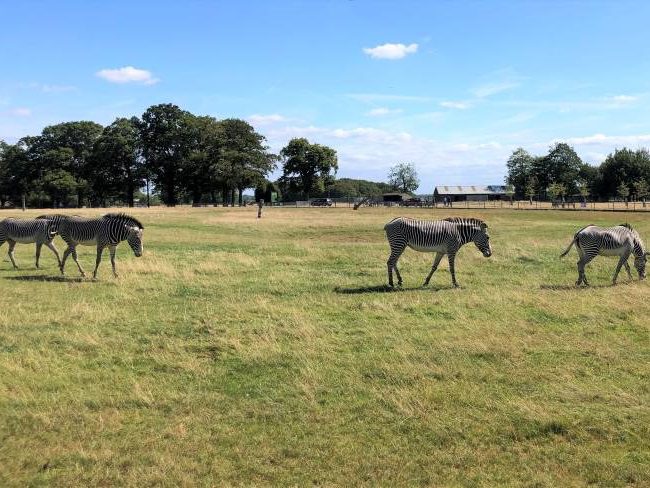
{"x": 322, "y": 202}
{"x": 413, "y": 202}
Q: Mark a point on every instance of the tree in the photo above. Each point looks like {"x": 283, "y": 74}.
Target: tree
{"x": 307, "y": 166}
{"x": 77, "y": 137}
{"x": 640, "y": 189}
{"x": 561, "y": 165}
{"x": 556, "y": 190}
{"x": 531, "y": 188}
{"x": 520, "y": 167}
{"x": 118, "y": 168}
{"x": 245, "y": 155}
{"x": 59, "y": 185}
{"x": 623, "y": 191}
{"x": 404, "y": 178}
{"x": 623, "y": 166}
{"x": 583, "y": 189}
{"x": 202, "y": 172}
{"x": 164, "y": 134}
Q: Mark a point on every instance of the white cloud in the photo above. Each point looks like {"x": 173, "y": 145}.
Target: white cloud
{"x": 614, "y": 141}
{"x": 622, "y": 98}
{"x": 20, "y": 112}
{"x": 128, "y": 74}
{"x": 455, "y": 105}
{"x": 385, "y": 97}
{"x": 266, "y": 119}
{"x": 57, "y": 88}
{"x": 382, "y": 111}
{"x": 489, "y": 89}
{"x": 390, "y": 51}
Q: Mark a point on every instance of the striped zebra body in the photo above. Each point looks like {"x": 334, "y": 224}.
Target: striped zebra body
{"x": 107, "y": 231}
{"x": 439, "y": 236}
{"x": 28, "y": 231}
{"x": 621, "y": 240}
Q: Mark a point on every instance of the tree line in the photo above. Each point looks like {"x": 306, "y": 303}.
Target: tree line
{"x": 561, "y": 173}
{"x": 169, "y": 153}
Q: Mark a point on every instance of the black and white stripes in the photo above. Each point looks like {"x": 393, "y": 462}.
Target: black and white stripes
{"x": 13, "y": 231}
{"x": 440, "y": 236}
{"x": 107, "y": 231}
{"x": 621, "y": 240}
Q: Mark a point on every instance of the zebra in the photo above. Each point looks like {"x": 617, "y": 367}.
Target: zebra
{"x": 106, "y": 231}
{"x": 621, "y": 240}
{"x": 445, "y": 236}
{"x": 26, "y": 231}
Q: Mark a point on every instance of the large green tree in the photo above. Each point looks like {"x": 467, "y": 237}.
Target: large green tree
{"x": 165, "y": 137}
{"x": 244, "y": 156}
{"x": 76, "y": 139}
{"x": 307, "y": 167}
{"x": 520, "y": 171}
{"x": 623, "y": 166}
{"x": 117, "y": 163}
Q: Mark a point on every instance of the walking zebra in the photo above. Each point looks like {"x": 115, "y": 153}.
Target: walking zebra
{"x": 107, "y": 231}
{"x": 440, "y": 236}
{"x": 621, "y": 241}
{"x": 29, "y": 231}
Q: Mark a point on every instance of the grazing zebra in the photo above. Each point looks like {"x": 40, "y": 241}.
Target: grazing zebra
{"x": 108, "y": 230}
{"x": 30, "y": 231}
{"x": 621, "y": 241}
{"x": 440, "y": 236}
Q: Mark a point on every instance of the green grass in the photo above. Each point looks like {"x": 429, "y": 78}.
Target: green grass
{"x": 245, "y": 352}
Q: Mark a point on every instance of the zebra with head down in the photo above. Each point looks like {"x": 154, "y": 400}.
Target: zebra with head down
{"x": 621, "y": 240}
{"x": 440, "y": 236}
{"x": 107, "y": 231}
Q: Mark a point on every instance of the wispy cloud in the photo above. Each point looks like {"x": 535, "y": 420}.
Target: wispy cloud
{"x": 489, "y": 89}
{"x": 20, "y": 112}
{"x": 47, "y": 88}
{"x": 455, "y": 105}
{"x": 386, "y": 97}
{"x": 391, "y": 51}
{"x": 260, "y": 119}
{"x": 622, "y": 98}
{"x": 128, "y": 74}
{"x": 383, "y": 111}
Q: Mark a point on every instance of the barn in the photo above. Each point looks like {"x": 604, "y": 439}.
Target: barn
{"x": 473, "y": 193}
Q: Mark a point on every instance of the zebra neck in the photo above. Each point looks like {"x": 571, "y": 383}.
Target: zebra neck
{"x": 639, "y": 249}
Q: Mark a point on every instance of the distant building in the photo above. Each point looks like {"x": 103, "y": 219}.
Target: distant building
{"x": 395, "y": 198}
{"x": 474, "y": 193}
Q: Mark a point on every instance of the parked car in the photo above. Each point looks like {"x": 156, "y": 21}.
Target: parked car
{"x": 322, "y": 202}
{"x": 413, "y": 202}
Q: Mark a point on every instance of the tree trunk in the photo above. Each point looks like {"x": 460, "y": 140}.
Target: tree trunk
{"x": 241, "y": 196}
{"x": 196, "y": 198}
{"x": 224, "y": 196}
{"x": 232, "y": 197}
{"x": 129, "y": 195}
{"x": 148, "y": 197}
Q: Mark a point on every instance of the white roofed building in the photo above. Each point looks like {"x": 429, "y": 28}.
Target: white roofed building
{"x": 477, "y": 193}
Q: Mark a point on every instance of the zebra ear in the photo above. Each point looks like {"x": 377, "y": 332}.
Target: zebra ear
{"x": 483, "y": 226}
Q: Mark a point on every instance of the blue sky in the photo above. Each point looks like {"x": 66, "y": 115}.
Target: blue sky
{"x": 453, "y": 87}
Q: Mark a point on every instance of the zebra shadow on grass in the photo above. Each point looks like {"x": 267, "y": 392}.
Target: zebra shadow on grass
{"x": 576, "y": 287}
{"x": 46, "y": 278}
{"x": 388, "y": 289}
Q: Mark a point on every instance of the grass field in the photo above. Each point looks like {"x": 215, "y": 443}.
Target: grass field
{"x": 245, "y": 352}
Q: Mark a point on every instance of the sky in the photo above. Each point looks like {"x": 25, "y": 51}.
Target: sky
{"x": 452, "y": 87}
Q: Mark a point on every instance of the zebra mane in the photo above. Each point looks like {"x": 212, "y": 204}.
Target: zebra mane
{"x": 124, "y": 217}
{"x": 467, "y": 221}
{"x": 626, "y": 225}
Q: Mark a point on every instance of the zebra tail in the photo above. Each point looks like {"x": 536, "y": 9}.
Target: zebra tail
{"x": 575, "y": 238}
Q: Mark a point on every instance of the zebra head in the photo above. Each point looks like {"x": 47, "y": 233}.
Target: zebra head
{"x": 482, "y": 240}
{"x": 640, "y": 254}
{"x": 134, "y": 238}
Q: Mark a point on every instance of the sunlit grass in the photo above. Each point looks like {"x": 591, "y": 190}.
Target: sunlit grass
{"x": 245, "y": 351}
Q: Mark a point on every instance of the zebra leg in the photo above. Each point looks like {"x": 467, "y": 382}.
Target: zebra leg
{"x": 74, "y": 256}
{"x": 584, "y": 260}
{"x": 66, "y": 253}
{"x": 112, "y": 251}
{"x": 392, "y": 264}
{"x": 627, "y": 268}
{"x": 38, "y": 253}
{"x": 436, "y": 262}
{"x": 50, "y": 245}
{"x": 12, "y": 245}
{"x": 100, "y": 250}
{"x": 452, "y": 259}
{"x": 623, "y": 259}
